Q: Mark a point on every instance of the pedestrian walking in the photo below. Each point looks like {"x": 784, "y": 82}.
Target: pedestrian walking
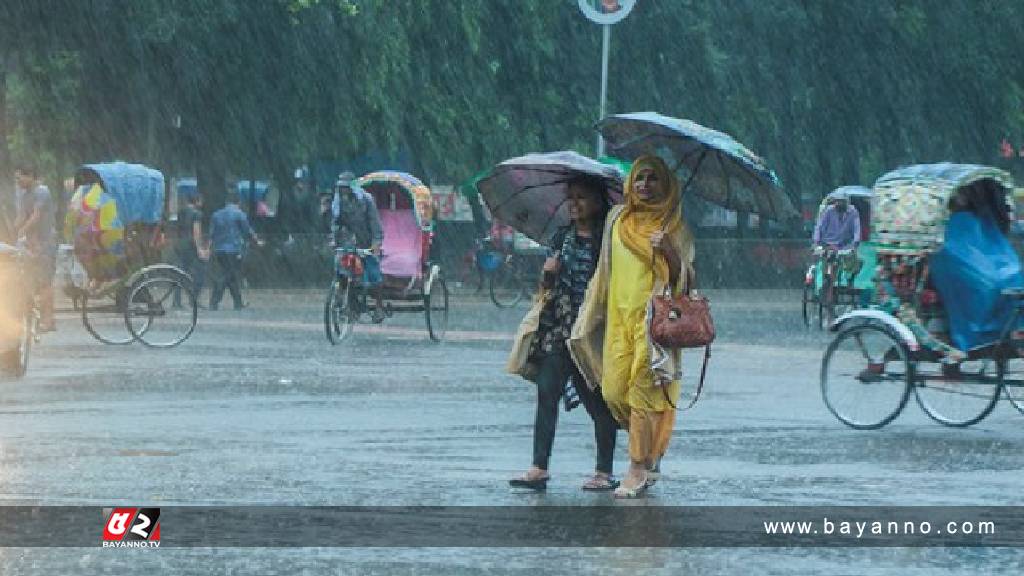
{"x": 35, "y": 225}
{"x": 189, "y": 246}
{"x": 229, "y": 233}
{"x": 647, "y": 248}
{"x": 540, "y": 353}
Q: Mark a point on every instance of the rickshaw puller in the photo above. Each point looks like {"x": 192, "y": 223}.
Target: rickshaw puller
{"x": 356, "y": 220}
{"x": 839, "y": 228}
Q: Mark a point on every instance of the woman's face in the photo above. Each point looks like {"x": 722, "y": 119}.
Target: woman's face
{"x": 647, "y": 186}
{"x": 584, "y": 203}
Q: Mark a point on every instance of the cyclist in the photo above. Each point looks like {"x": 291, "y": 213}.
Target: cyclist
{"x": 838, "y": 229}
{"x": 357, "y": 223}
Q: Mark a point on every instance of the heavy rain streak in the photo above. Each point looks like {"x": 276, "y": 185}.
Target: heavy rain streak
{"x": 511, "y": 286}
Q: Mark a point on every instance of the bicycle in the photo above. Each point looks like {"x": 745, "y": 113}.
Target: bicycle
{"x": 506, "y": 273}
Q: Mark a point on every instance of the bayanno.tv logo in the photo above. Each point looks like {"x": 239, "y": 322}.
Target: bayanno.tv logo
{"x": 131, "y": 528}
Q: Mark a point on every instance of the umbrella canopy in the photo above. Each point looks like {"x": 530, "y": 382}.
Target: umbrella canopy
{"x": 720, "y": 169}
{"x": 530, "y": 193}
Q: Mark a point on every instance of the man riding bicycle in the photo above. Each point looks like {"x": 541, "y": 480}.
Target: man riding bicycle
{"x": 838, "y": 230}
{"x": 357, "y": 224}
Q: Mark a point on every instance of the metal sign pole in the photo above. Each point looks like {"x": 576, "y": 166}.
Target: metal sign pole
{"x": 607, "y": 33}
{"x": 606, "y": 13}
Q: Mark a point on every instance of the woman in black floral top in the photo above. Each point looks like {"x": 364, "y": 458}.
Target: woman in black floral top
{"x": 566, "y": 275}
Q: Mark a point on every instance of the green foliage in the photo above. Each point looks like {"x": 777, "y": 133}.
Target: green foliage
{"x": 830, "y": 92}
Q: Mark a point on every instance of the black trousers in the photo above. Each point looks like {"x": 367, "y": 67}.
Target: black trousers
{"x": 195, "y": 267}
{"x": 229, "y": 275}
{"x": 555, "y": 370}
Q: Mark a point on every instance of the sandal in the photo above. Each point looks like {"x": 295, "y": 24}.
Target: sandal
{"x": 637, "y": 491}
{"x": 600, "y": 482}
{"x": 539, "y": 483}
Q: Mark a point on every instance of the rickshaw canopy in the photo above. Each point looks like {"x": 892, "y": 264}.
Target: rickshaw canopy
{"x": 137, "y": 190}
{"x": 910, "y": 206}
{"x": 417, "y": 195}
{"x": 851, "y": 193}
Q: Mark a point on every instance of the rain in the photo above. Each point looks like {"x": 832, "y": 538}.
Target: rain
{"x": 280, "y": 253}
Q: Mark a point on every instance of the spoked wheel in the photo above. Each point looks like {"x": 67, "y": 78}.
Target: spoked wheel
{"x": 339, "y": 318}
{"x": 162, "y": 310}
{"x": 506, "y": 285}
{"x": 1013, "y": 382}
{"x": 15, "y": 362}
{"x": 865, "y": 377}
{"x": 435, "y": 305}
{"x": 104, "y": 318}
{"x": 959, "y": 397}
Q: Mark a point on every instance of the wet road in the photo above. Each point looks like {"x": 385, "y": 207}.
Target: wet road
{"x": 257, "y": 408}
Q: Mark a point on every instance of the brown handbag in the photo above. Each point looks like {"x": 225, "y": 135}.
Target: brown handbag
{"x": 683, "y": 321}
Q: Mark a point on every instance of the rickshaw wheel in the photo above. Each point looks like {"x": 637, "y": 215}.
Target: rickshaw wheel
{"x": 151, "y": 316}
{"x": 338, "y": 319}
{"x": 963, "y": 399}
{"x": 865, "y": 376}
{"x": 435, "y": 306}
{"x": 1013, "y": 382}
{"x": 104, "y": 319}
{"x": 506, "y": 286}
{"x": 826, "y": 303}
{"x": 15, "y": 362}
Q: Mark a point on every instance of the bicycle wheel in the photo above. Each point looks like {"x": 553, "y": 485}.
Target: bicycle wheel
{"x": 506, "y": 285}
{"x": 959, "y": 397}
{"x": 151, "y": 315}
{"x": 15, "y": 362}
{"x": 338, "y": 315}
{"x": 435, "y": 305}
{"x": 1013, "y": 381}
{"x": 865, "y": 377}
{"x": 104, "y": 318}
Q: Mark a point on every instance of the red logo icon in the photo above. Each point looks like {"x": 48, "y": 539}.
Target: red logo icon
{"x": 131, "y": 527}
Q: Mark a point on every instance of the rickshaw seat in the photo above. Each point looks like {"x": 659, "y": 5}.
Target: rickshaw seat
{"x": 403, "y": 244}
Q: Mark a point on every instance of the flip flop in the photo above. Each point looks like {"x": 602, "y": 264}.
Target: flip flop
{"x": 600, "y": 484}
{"x": 539, "y": 484}
{"x": 623, "y": 492}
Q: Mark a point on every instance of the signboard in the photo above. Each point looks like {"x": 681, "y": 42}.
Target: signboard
{"x": 451, "y": 206}
{"x": 606, "y": 11}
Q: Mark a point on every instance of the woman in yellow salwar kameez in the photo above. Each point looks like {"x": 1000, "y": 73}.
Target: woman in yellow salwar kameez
{"x": 647, "y": 248}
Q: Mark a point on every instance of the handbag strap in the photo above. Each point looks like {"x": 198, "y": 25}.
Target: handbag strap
{"x": 700, "y": 383}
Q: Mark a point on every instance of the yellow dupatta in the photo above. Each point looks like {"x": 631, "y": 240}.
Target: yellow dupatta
{"x": 640, "y": 219}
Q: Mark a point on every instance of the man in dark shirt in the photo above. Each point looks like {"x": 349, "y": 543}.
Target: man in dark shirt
{"x": 189, "y": 248}
{"x": 229, "y": 231}
{"x": 35, "y": 225}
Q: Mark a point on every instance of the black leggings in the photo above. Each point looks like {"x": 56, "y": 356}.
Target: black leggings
{"x": 555, "y": 370}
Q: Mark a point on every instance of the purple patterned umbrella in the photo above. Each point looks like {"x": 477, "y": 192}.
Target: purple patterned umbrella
{"x": 530, "y": 193}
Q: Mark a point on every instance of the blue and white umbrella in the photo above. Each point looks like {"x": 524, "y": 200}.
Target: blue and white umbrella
{"x": 711, "y": 163}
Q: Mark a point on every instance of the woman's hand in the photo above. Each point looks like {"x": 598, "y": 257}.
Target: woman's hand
{"x": 553, "y": 264}
{"x": 550, "y": 271}
{"x": 668, "y": 251}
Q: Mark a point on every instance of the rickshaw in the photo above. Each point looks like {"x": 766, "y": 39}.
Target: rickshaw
{"x": 19, "y": 312}
{"x": 828, "y": 291}
{"x": 115, "y": 220}
{"x": 946, "y": 312}
{"x": 412, "y": 282}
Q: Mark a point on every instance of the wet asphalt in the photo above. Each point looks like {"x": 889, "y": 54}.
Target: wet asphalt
{"x": 257, "y": 408}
